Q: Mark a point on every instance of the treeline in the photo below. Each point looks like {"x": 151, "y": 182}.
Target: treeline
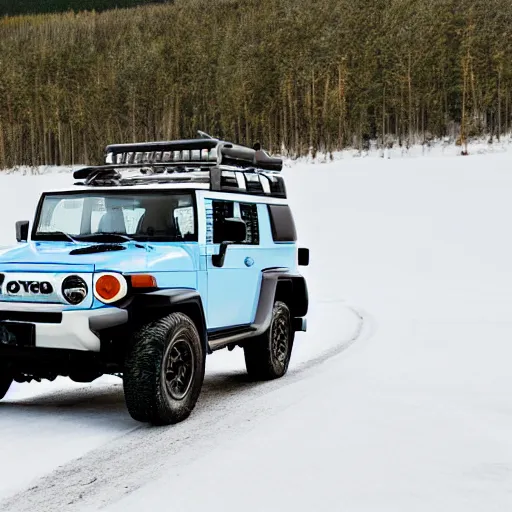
{"x": 293, "y": 74}
{"x": 15, "y": 7}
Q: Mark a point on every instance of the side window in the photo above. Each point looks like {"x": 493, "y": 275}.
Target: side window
{"x": 131, "y": 214}
{"x": 62, "y": 215}
{"x": 283, "y": 226}
{"x": 221, "y": 210}
{"x": 184, "y": 221}
{"x": 249, "y": 214}
{"x": 97, "y": 211}
{"x": 132, "y": 218}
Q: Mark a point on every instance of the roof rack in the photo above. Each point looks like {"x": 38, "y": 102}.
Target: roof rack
{"x": 203, "y": 150}
{"x": 227, "y": 167}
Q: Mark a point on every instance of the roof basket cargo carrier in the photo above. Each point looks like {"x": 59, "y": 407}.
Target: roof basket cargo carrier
{"x": 227, "y": 167}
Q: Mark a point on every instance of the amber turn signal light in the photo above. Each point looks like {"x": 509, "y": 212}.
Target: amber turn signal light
{"x": 143, "y": 281}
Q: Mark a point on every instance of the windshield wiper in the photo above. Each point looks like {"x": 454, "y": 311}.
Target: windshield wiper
{"x": 101, "y": 237}
{"x": 58, "y": 233}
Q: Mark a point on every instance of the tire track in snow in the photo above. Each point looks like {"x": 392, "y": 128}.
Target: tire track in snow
{"x": 229, "y": 405}
{"x": 363, "y": 331}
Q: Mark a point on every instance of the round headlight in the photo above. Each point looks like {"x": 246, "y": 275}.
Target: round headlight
{"x": 74, "y": 289}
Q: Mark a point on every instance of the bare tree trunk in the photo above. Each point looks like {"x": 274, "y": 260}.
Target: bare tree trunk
{"x": 284, "y": 133}
{"x": 46, "y": 146}
{"x": 384, "y": 115}
{"x": 270, "y": 142}
{"x": 409, "y": 85}
{"x": 463, "y": 141}
{"x": 296, "y": 124}
{"x": 311, "y": 113}
{"x": 3, "y": 162}
{"x": 341, "y": 94}
{"x": 324, "y": 135}
{"x": 33, "y": 157}
{"x": 72, "y": 145}
{"x": 60, "y": 147}
{"x": 499, "y": 105}
{"x": 134, "y": 133}
{"x": 507, "y": 113}
{"x": 86, "y": 153}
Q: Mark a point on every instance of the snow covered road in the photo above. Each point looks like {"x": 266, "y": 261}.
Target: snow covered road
{"x": 414, "y": 415}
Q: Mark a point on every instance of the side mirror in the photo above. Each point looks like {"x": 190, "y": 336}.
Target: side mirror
{"x": 234, "y": 231}
{"x": 303, "y": 257}
{"x": 22, "y": 230}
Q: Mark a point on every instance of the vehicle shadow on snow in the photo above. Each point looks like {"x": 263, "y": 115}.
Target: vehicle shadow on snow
{"x": 221, "y": 384}
{"x": 108, "y": 402}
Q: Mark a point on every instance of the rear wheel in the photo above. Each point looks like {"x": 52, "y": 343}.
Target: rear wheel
{"x": 268, "y": 356}
{"x": 164, "y": 370}
{"x": 6, "y": 379}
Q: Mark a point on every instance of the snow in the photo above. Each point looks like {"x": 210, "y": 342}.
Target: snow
{"x": 398, "y": 398}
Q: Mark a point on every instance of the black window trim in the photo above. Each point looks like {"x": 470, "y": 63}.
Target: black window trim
{"x": 220, "y": 200}
{"x": 240, "y": 203}
{"x": 41, "y": 238}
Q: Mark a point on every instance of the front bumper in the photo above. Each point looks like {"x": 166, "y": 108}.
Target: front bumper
{"x": 74, "y": 330}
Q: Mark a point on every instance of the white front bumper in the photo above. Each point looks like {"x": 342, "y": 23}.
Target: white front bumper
{"x": 74, "y": 332}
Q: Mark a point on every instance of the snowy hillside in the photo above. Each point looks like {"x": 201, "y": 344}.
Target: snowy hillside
{"x": 399, "y": 398}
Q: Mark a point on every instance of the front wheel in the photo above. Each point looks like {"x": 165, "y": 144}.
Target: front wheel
{"x": 164, "y": 370}
{"x": 268, "y": 356}
{"x": 6, "y": 379}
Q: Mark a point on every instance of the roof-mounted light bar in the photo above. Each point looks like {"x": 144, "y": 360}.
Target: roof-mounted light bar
{"x": 162, "y": 152}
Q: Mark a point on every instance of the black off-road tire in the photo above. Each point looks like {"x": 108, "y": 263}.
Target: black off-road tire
{"x": 156, "y": 374}
{"x": 267, "y": 357}
{"x": 6, "y": 380}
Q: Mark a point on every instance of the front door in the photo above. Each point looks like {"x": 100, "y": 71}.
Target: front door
{"x": 233, "y": 289}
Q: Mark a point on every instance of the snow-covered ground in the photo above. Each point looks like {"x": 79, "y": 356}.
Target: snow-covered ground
{"x": 408, "y": 409}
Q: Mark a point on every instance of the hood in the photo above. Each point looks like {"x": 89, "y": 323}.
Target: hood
{"x": 57, "y": 257}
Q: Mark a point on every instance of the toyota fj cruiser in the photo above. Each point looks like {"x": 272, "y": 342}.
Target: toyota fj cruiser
{"x": 164, "y": 253}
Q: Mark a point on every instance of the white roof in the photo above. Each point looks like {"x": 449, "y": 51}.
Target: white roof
{"x": 201, "y": 187}
{"x": 147, "y": 186}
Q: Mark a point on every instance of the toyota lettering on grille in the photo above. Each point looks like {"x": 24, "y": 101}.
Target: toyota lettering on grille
{"x": 32, "y": 287}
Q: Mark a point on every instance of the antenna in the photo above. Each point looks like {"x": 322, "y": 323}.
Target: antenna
{"x": 204, "y": 135}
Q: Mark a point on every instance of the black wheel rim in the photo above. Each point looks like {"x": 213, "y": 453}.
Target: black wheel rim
{"x": 280, "y": 341}
{"x": 179, "y": 368}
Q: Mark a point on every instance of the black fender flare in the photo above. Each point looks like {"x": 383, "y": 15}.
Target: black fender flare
{"x": 144, "y": 307}
{"x": 280, "y": 284}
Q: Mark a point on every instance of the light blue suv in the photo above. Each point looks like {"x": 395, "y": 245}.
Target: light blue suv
{"x": 163, "y": 254}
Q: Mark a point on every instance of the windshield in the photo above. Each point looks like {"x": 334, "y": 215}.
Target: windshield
{"x": 138, "y": 215}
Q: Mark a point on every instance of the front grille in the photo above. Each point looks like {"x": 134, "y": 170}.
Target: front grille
{"x": 30, "y": 316}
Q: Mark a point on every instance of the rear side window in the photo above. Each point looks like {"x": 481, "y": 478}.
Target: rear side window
{"x": 283, "y": 225}
{"x": 249, "y": 214}
{"x": 221, "y": 210}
